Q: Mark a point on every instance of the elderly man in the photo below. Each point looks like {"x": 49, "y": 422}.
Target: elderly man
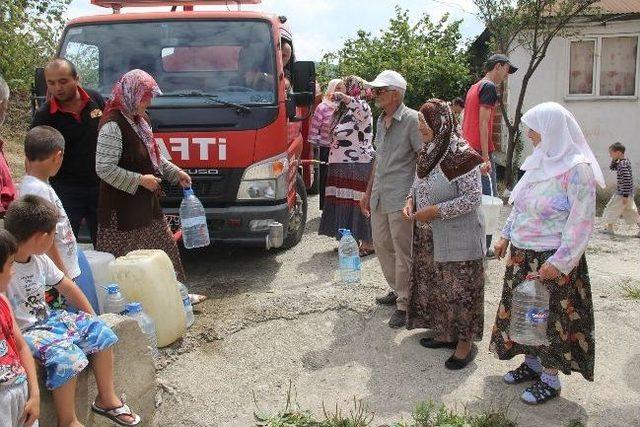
{"x": 398, "y": 142}
{"x": 7, "y": 189}
{"x": 75, "y": 112}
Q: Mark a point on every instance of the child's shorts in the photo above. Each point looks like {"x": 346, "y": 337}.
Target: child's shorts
{"x": 616, "y": 209}
{"x": 13, "y": 398}
{"x": 62, "y": 342}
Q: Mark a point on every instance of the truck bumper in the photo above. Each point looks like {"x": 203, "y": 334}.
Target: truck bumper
{"x": 243, "y": 225}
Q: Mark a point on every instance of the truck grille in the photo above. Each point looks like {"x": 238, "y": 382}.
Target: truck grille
{"x": 212, "y": 190}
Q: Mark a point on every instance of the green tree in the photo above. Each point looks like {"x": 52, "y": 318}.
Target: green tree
{"x": 531, "y": 25}
{"x": 428, "y": 54}
{"x": 29, "y": 31}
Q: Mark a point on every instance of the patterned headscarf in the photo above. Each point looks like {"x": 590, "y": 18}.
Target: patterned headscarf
{"x": 126, "y": 97}
{"x": 455, "y": 156}
{"x": 355, "y": 87}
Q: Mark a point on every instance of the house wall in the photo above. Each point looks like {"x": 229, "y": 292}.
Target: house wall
{"x": 604, "y": 121}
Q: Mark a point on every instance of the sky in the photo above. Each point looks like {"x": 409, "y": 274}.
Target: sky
{"x": 321, "y": 26}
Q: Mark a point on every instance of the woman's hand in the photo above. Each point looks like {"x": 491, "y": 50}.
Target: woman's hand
{"x": 548, "y": 272}
{"x": 426, "y": 214}
{"x": 185, "y": 179}
{"x": 500, "y": 248}
{"x": 150, "y": 182}
{"x": 31, "y": 411}
{"x": 407, "y": 212}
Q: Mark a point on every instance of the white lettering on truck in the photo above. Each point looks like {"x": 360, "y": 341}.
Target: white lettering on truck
{"x": 181, "y": 146}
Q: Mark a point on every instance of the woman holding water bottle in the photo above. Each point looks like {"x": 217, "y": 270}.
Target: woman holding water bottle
{"x": 548, "y": 230}
{"x": 131, "y": 168}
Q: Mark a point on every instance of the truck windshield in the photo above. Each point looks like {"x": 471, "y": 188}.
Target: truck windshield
{"x": 231, "y": 60}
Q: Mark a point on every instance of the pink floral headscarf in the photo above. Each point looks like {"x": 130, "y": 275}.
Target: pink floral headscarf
{"x": 126, "y": 97}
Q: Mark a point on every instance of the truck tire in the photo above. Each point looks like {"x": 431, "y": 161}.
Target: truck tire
{"x": 298, "y": 220}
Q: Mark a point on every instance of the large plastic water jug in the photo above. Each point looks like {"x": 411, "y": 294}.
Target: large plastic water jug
{"x": 491, "y": 206}
{"x": 530, "y": 313}
{"x": 148, "y": 327}
{"x": 193, "y": 221}
{"x": 186, "y": 303}
{"x": 350, "y": 265}
{"x": 86, "y": 282}
{"x": 99, "y": 264}
{"x": 147, "y": 276}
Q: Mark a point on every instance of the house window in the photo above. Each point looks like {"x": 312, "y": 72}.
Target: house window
{"x": 581, "y": 63}
{"x": 603, "y": 67}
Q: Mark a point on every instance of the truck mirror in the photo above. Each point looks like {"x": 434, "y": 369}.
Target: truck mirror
{"x": 38, "y": 90}
{"x": 304, "y": 77}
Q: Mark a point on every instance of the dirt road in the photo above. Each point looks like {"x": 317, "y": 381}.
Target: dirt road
{"x": 279, "y": 316}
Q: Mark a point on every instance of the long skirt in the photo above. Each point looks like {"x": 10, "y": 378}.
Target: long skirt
{"x": 570, "y": 329}
{"x": 346, "y": 185}
{"x": 156, "y": 235}
{"x": 447, "y": 297}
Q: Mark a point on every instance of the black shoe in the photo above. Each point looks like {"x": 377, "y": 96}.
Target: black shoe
{"x": 398, "y": 319}
{"x": 388, "y": 299}
{"x": 490, "y": 254}
{"x": 431, "y": 343}
{"x": 455, "y": 364}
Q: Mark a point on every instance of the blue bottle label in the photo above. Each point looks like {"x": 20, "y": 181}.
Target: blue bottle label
{"x": 537, "y": 316}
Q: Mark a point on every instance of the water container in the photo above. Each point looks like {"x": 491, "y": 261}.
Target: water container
{"x": 99, "y": 264}
{"x": 186, "y": 303}
{"x": 115, "y": 302}
{"x": 530, "y": 313}
{"x": 147, "y": 276}
{"x": 86, "y": 283}
{"x": 350, "y": 265}
{"x": 195, "y": 233}
{"x": 491, "y": 206}
{"x": 134, "y": 310}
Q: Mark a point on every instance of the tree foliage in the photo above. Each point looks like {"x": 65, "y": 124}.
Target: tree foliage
{"x": 29, "y": 31}
{"x": 428, "y": 54}
{"x": 530, "y": 25}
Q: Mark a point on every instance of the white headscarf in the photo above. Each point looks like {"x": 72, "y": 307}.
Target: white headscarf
{"x": 331, "y": 87}
{"x": 563, "y": 146}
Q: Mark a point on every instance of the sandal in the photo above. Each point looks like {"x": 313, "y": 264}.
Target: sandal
{"x": 366, "y": 252}
{"x": 522, "y": 374}
{"x": 196, "y": 298}
{"x": 432, "y": 343}
{"x": 541, "y": 392}
{"x": 115, "y": 413}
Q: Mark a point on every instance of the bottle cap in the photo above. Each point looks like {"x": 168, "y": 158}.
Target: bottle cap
{"x": 344, "y": 232}
{"x": 133, "y": 307}
{"x": 113, "y": 289}
{"x": 188, "y": 191}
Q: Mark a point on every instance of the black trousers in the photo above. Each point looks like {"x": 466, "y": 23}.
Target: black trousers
{"x": 80, "y": 203}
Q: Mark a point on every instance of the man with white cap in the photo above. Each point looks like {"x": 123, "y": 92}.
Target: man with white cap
{"x": 398, "y": 140}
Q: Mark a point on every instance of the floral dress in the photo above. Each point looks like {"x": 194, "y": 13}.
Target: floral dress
{"x": 552, "y": 221}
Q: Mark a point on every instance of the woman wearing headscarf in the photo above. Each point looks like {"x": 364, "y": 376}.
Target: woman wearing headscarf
{"x": 320, "y": 130}
{"x": 350, "y": 162}
{"x": 130, "y": 167}
{"x": 447, "y": 285}
{"x": 548, "y": 231}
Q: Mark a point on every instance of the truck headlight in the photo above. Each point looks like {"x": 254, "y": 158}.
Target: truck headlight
{"x": 266, "y": 180}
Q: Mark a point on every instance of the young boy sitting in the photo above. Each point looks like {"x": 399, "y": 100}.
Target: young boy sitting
{"x": 19, "y": 391}
{"x": 44, "y": 150}
{"x": 621, "y": 203}
{"x": 59, "y": 340}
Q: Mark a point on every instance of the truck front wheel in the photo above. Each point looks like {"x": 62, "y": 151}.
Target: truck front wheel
{"x": 298, "y": 217}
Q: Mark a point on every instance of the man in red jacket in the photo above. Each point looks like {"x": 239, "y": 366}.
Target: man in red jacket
{"x": 7, "y": 189}
{"x": 479, "y": 112}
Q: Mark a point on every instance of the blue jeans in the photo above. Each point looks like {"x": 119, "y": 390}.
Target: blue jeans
{"x": 486, "y": 189}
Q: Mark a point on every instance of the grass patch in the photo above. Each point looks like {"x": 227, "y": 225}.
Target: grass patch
{"x": 426, "y": 414}
{"x": 631, "y": 290}
{"x": 575, "y": 423}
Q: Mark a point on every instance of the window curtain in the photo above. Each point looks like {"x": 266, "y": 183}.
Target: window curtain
{"x": 618, "y": 66}
{"x": 582, "y": 54}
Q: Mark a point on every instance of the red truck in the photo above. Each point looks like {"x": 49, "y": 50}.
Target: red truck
{"x": 232, "y": 114}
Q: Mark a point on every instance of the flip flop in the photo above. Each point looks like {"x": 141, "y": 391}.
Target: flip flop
{"x": 366, "y": 252}
{"x": 115, "y": 413}
{"x": 196, "y": 298}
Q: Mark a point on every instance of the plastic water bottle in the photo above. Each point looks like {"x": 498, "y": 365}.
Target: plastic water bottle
{"x": 530, "y": 313}
{"x": 134, "y": 310}
{"x": 114, "y": 302}
{"x": 186, "y": 302}
{"x": 193, "y": 221}
{"x": 350, "y": 265}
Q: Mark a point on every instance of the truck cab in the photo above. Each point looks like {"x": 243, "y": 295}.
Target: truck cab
{"x": 231, "y": 114}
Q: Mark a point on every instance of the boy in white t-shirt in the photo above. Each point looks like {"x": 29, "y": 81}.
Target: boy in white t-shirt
{"x": 44, "y": 150}
{"x": 61, "y": 341}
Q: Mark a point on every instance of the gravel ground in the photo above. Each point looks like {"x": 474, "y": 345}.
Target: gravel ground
{"x": 276, "y": 317}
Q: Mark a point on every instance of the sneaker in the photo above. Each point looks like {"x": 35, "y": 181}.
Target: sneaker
{"x": 388, "y": 299}
{"x": 606, "y": 232}
{"x": 398, "y": 319}
{"x": 539, "y": 393}
{"x": 522, "y": 374}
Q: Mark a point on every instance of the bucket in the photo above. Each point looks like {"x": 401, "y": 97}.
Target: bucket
{"x": 491, "y": 209}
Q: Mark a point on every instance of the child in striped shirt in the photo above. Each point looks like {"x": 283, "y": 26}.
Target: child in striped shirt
{"x": 621, "y": 203}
